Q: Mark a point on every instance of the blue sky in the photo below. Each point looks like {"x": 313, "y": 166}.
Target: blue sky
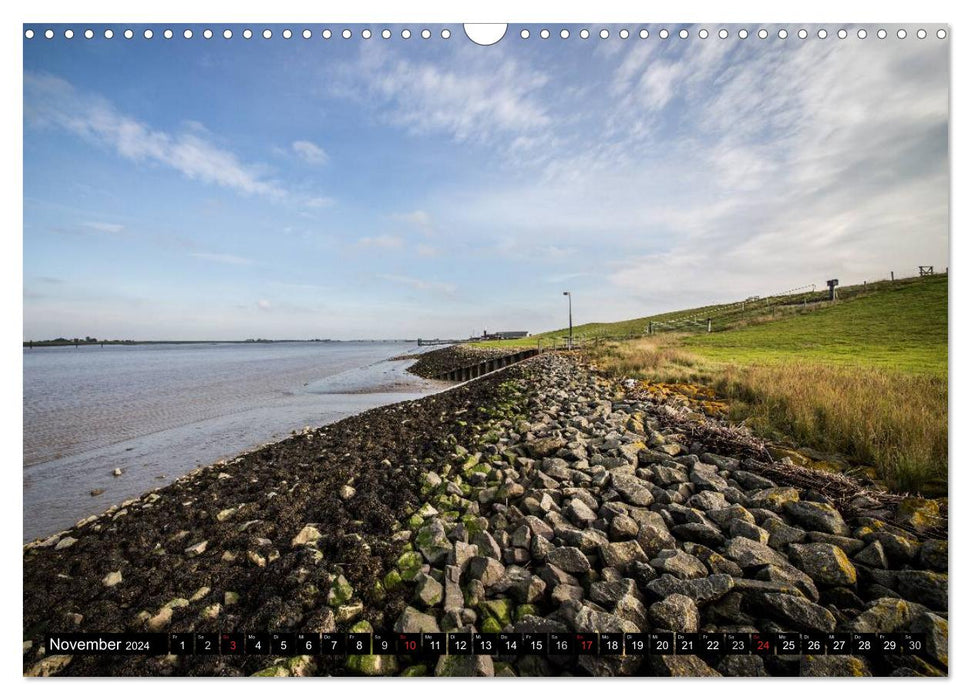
{"x": 226, "y": 189}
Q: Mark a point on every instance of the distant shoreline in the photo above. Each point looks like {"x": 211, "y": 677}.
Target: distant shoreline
{"x": 260, "y": 341}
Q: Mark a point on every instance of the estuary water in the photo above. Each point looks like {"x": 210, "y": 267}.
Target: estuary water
{"x": 158, "y": 411}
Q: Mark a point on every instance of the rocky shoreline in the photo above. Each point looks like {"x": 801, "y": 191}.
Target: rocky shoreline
{"x": 541, "y": 497}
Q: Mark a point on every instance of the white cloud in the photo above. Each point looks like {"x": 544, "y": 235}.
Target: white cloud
{"x": 472, "y": 99}
{"x": 310, "y": 152}
{"x": 418, "y": 218}
{"x": 264, "y": 305}
{"x": 320, "y": 202}
{"x": 420, "y": 284}
{"x": 52, "y": 102}
{"x": 382, "y": 241}
{"x": 104, "y": 227}
{"x": 223, "y": 258}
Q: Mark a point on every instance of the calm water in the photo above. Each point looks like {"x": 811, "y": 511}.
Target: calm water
{"x": 158, "y": 411}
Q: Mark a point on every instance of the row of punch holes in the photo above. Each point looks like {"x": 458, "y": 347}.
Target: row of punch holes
{"x": 446, "y": 33}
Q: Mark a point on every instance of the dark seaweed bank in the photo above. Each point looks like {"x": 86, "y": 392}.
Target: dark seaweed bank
{"x": 435, "y": 363}
{"x": 216, "y": 550}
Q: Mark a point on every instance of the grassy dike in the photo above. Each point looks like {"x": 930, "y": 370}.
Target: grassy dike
{"x": 865, "y": 378}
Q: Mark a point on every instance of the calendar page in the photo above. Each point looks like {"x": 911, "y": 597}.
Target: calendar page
{"x": 306, "y": 392}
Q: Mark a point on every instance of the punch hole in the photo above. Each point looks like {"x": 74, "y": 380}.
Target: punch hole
{"x": 110, "y": 34}
{"x": 881, "y": 34}
{"x": 207, "y": 34}
{"x": 564, "y": 33}
{"x": 723, "y": 33}
{"x": 385, "y": 34}
{"x": 683, "y": 34}
{"x": 89, "y": 33}
{"x": 822, "y": 34}
{"x": 544, "y": 34}
{"x": 702, "y": 33}
{"x": 227, "y": 34}
{"x": 287, "y": 34}
{"x": 643, "y": 34}
{"x": 743, "y": 33}
{"x": 841, "y": 33}
{"x": 921, "y": 33}
{"x": 148, "y": 34}
{"x": 306, "y": 34}
{"x": 524, "y": 34}
{"x": 941, "y": 34}
{"x": 604, "y": 34}
{"x": 763, "y": 34}
{"x": 327, "y": 34}
{"x": 783, "y": 34}
{"x": 29, "y": 34}
{"x": 405, "y": 33}
{"x": 187, "y": 34}
{"x": 446, "y": 33}
{"x": 803, "y": 34}
{"x": 129, "y": 33}
{"x": 346, "y": 34}
{"x": 624, "y": 34}
{"x": 488, "y": 34}
{"x": 584, "y": 33}
{"x": 68, "y": 33}
{"x": 664, "y": 34}
{"x": 267, "y": 34}
{"x": 861, "y": 33}
{"x": 168, "y": 34}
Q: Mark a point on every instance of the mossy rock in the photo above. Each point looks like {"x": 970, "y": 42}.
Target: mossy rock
{"x": 414, "y": 521}
{"x": 362, "y": 627}
{"x": 491, "y": 626}
{"x": 919, "y": 513}
{"x": 378, "y": 592}
{"x": 524, "y": 610}
{"x": 409, "y": 564}
{"x": 392, "y": 580}
{"x": 340, "y": 592}
{"x": 373, "y": 665}
{"x": 272, "y": 672}
{"x": 500, "y": 609}
{"x": 415, "y": 671}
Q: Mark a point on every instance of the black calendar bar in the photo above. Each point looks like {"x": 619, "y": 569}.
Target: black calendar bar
{"x": 501, "y": 644}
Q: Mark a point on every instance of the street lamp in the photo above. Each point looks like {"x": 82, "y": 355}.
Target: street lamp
{"x": 570, "y": 301}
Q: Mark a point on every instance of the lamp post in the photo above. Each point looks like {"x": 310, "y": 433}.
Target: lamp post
{"x": 569, "y": 298}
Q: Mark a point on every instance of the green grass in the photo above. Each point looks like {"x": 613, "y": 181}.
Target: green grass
{"x": 865, "y": 377}
{"x": 900, "y": 328}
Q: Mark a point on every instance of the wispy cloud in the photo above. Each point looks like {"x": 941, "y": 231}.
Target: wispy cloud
{"x": 471, "y": 99}
{"x": 319, "y": 202}
{"x": 382, "y": 241}
{"x": 104, "y": 227}
{"x": 310, "y": 152}
{"x": 52, "y": 102}
{"x": 224, "y": 258}
{"x": 420, "y": 284}
{"x": 417, "y": 218}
